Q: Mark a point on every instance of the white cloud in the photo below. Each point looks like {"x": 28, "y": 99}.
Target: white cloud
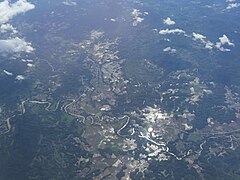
{"x": 169, "y": 49}
{"x": 171, "y": 31}
{"x": 20, "y": 77}
{"x": 232, "y": 4}
{"x": 27, "y": 60}
{"x": 136, "y": 17}
{"x": 209, "y": 45}
{"x": 7, "y": 73}
{"x": 8, "y": 11}
{"x": 168, "y": 21}
{"x": 30, "y": 65}
{"x": 224, "y": 40}
{"x": 200, "y": 37}
{"x": 15, "y": 45}
{"x": 70, "y": 3}
{"x": 7, "y": 27}
{"x": 218, "y": 45}
{"x": 113, "y": 20}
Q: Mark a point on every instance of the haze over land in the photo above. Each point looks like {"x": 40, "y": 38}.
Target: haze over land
{"x": 126, "y": 89}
